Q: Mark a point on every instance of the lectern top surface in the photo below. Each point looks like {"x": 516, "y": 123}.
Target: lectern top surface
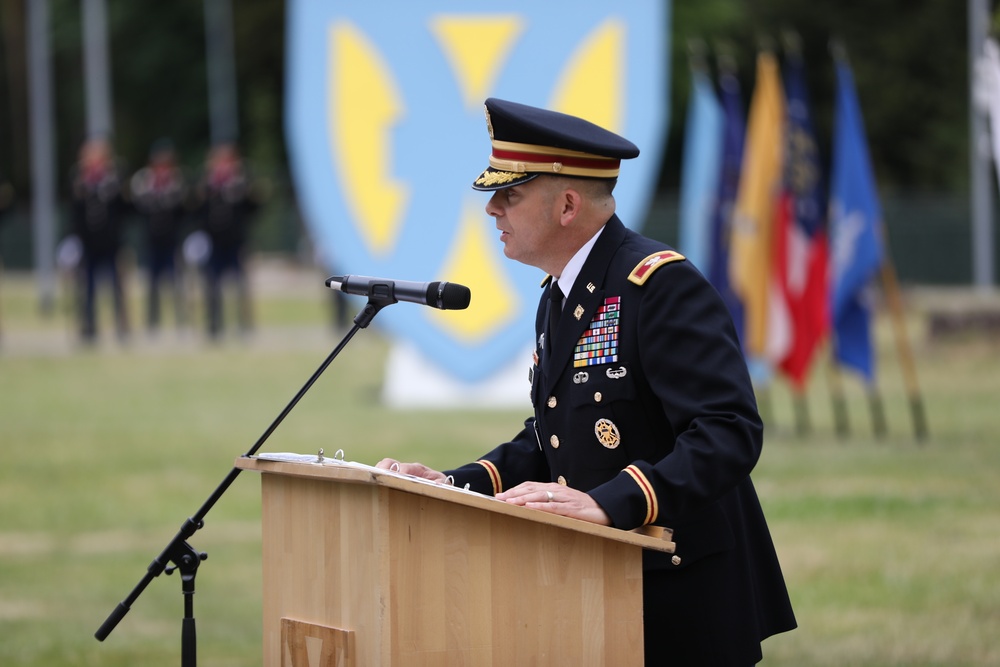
{"x": 338, "y": 469}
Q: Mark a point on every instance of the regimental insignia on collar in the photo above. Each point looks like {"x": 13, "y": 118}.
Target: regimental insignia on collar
{"x": 607, "y": 433}
{"x": 644, "y": 269}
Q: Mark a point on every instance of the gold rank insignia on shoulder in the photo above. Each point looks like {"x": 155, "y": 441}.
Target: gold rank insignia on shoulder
{"x": 644, "y": 269}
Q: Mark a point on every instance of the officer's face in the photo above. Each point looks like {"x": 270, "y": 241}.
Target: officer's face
{"x": 528, "y": 219}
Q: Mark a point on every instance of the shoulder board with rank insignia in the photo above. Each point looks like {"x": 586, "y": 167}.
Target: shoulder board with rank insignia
{"x": 644, "y": 269}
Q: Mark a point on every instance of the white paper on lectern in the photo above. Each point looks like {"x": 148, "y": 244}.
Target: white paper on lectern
{"x": 322, "y": 460}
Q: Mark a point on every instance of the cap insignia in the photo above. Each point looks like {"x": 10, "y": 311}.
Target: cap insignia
{"x": 489, "y": 123}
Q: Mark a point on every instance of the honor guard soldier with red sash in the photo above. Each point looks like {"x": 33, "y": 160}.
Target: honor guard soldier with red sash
{"x": 644, "y": 413}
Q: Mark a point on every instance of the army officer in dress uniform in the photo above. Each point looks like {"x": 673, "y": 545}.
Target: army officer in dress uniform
{"x": 643, "y": 408}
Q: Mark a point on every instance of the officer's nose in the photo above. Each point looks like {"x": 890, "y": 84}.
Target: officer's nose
{"x": 493, "y": 207}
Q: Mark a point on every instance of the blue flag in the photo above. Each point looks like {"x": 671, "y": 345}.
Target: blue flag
{"x": 700, "y": 175}
{"x": 734, "y": 132}
{"x": 855, "y": 232}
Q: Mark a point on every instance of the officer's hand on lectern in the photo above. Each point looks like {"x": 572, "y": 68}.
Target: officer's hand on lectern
{"x": 414, "y": 469}
{"x": 556, "y": 499}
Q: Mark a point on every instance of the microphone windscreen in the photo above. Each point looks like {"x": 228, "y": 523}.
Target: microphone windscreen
{"x": 455, "y": 296}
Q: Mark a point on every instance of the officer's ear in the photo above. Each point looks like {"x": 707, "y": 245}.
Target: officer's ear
{"x": 570, "y": 203}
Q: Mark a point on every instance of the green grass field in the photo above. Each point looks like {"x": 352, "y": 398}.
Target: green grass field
{"x": 891, "y": 548}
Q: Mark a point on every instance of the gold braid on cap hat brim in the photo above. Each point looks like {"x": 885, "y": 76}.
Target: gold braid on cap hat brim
{"x": 490, "y": 178}
{"x": 516, "y": 157}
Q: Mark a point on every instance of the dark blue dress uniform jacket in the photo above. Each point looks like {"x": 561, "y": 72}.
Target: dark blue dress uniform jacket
{"x": 680, "y": 429}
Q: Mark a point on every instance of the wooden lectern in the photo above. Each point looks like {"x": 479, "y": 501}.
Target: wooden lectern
{"x": 367, "y": 568}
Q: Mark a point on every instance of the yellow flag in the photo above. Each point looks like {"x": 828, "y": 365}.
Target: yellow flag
{"x": 753, "y": 218}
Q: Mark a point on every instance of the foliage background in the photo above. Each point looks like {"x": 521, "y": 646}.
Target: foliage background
{"x": 909, "y": 59}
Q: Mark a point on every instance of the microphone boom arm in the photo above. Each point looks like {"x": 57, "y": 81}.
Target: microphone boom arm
{"x": 178, "y": 550}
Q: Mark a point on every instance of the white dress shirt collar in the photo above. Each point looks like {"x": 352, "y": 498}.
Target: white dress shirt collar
{"x": 575, "y": 265}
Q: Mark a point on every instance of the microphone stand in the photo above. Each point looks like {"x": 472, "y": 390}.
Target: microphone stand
{"x": 184, "y": 557}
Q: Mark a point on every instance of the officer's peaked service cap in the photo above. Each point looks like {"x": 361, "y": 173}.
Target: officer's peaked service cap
{"x": 528, "y": 141}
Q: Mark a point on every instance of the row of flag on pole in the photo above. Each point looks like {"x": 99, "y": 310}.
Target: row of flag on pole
{"x": 794, "y": 265}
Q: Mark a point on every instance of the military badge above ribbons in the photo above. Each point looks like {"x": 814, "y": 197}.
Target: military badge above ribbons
{"x": 385, "y": 130}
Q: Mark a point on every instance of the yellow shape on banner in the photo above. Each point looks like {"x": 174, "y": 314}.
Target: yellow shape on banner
{"x": 363, "y": 105}
{"x": 476, "y": 47}
{"x": 592, "y": 84}
{"x": 473, "y": 262}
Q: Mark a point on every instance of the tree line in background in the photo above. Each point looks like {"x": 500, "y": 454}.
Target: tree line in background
{"x": 159, "y": 81}
{"x": 909, "y": 59}
{"x": 910, "y": 66}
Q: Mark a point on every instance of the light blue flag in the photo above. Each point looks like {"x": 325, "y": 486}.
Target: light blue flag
{"x": 855, "y": 232}
{"x": 700, "y": 175}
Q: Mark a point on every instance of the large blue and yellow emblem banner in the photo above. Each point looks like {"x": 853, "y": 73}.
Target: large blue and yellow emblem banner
{"x": 386, "y": 132}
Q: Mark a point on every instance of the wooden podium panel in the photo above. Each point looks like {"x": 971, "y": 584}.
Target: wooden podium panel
{"x": 414, "y": 574}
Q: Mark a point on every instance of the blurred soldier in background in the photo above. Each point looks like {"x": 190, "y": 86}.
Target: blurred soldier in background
{"x": 226, "y": 204}
{"x": 6, "y": 198}
{"x": 159, "y": 195}
{"x": 6, "y": 202}
{"x": 98, "y": 211}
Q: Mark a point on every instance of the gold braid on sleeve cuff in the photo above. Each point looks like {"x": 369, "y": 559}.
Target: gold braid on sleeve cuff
{"x": 494, "y": 476}
{"x": 652, "y": 506}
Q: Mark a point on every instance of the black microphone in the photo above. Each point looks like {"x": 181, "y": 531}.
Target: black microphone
{"x": 446, "y": 296}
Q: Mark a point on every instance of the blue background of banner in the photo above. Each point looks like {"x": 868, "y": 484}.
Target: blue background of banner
{"x": 440, "y": 144}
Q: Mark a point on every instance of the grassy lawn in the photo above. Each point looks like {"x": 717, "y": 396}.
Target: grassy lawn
{"x": 889, "y": 546}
